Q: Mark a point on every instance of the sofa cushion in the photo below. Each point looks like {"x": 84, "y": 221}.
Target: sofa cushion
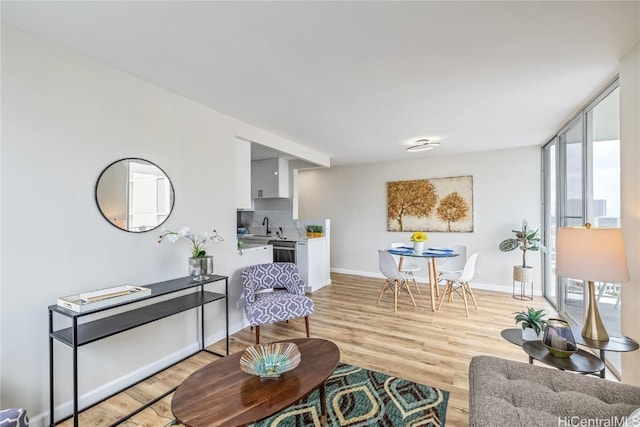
{"x": 272, "y": 307}
{"x": 509, "y": 393}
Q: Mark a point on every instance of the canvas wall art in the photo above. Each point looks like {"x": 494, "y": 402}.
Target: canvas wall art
{"x": 436, "y": 204}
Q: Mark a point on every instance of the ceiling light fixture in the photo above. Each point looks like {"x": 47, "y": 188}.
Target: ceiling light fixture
{"x": 422, "y": 145}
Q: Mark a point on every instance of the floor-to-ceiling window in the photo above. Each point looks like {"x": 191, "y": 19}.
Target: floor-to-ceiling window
{"x": 550, "y": 220}
{"x": 582, "y": 184}
{"x": 572, "y": 207}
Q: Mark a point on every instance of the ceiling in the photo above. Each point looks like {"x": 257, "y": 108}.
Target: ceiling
{"x": 357, "y": 81}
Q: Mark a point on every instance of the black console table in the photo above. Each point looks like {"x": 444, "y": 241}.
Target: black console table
{"x": 85, "y": 333}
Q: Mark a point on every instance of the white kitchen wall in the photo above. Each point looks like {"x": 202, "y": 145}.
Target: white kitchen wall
{"x": 506, "y": 189}
{"x": 64, "y": 118}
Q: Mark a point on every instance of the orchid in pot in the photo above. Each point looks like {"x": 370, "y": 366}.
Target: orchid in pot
{"x": 418, "y": 238}
{"x": 199, "y": 263}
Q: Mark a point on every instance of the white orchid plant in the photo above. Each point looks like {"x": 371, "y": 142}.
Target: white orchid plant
{"x": 199, "y": 242}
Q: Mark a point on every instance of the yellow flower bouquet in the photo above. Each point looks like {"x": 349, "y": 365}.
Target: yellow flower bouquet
{"x": 419, "y": 236}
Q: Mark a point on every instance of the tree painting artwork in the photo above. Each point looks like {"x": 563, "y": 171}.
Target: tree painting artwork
{"x": 436, "y": 204}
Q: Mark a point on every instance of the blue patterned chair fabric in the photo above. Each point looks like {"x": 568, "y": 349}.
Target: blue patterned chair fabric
{"x": 14, "y": 418}
{"x": 274, "y": 292}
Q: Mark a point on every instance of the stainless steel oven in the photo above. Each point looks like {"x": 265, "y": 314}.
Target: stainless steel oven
{"x": 284, "y": 250}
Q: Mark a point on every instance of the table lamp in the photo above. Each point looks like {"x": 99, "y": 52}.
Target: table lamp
{"x": 592, "y": 255}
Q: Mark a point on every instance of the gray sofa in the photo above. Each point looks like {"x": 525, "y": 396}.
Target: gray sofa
{"x": 509, "y": 393}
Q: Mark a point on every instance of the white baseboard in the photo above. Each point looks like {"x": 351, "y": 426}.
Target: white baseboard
{"x": 311, "y": 289}
{"x": 98, "y": 394}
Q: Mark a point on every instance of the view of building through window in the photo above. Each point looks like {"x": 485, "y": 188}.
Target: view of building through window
{"x": 582, "y": 184}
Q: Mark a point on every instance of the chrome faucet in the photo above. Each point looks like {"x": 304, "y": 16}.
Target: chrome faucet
{"x": 266, "y": 221}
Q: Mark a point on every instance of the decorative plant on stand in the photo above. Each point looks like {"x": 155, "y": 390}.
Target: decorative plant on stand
{"x": 526, "y": 240}
{"x": 532, "y": 323}
{"x": 418, "y": 238}
{"x": 199, "y": 263}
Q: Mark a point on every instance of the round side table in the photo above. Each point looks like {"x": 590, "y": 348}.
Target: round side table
{"x": 581, "y": 361}
{"x": 513, "y": 335}
{"x": 617, "y": 344}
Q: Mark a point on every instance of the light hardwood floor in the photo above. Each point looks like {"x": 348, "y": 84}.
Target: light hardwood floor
{"x": 432, "y": 348}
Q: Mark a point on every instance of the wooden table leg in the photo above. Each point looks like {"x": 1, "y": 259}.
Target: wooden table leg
{"x": 433, "y": 283}
{"x": 435, "y": 275}
{"x": 323, "y": 405}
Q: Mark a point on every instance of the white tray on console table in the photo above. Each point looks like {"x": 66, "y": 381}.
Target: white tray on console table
{"x": 102, "y": 298}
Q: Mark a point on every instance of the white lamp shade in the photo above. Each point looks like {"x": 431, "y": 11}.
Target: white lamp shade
{"x": 592, "y": 254}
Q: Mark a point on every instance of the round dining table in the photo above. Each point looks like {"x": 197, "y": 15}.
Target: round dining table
{"x": 431, "y": 254}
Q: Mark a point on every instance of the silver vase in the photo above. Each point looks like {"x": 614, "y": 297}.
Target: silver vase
{"x": 200, "y": 267}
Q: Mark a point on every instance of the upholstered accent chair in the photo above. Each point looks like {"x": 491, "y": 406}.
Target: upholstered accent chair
{"x": 16, "y": 417}
{"x": 274, "y": 292}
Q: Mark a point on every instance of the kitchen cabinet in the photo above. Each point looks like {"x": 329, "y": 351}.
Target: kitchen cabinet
{"x": 243, "y": 175}
{"x": 270, "y": 178}
{"x": 313, "y": 263}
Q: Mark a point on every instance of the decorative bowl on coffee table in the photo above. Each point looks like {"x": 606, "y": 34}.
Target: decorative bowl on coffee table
{"x": 270, "y": 360}
{"x": 558, "y": 338}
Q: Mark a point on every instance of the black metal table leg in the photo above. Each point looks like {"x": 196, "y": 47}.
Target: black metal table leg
{"x": 226, "y": 302}
{"x": 202, "y": 318}
{"x": 75, "y": 372}
{"x": 52, "y": 421}
{"x": 604, "y": 368}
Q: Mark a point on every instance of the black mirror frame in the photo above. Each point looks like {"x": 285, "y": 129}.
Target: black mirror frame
{"x": 172, "y": 192}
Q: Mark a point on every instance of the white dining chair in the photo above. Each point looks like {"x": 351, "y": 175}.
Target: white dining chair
{"x": 452, "y": 265}
{"x": 408, "y": 265}
{"x": 395, "y": 279}
{"x": 459, "y": 283}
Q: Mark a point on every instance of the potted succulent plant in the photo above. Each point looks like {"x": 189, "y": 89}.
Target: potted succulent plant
{"x": 526, "y": 240}
{"x": 532, "y": 323}
{"x": 315, "y": 231}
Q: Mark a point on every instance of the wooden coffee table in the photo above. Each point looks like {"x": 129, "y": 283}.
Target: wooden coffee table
{"x": 220, "y": 394}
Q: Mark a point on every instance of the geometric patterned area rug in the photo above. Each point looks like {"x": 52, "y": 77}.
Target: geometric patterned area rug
{"x": 357, "y": 397}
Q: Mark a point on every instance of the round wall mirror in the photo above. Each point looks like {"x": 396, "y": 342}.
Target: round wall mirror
{"x": 134, "y": 195}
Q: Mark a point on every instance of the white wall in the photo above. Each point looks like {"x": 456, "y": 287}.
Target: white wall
{"x": 506, "y": 186}
{"x": 630, "y": 199}
{"x": 64, "y": 118}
